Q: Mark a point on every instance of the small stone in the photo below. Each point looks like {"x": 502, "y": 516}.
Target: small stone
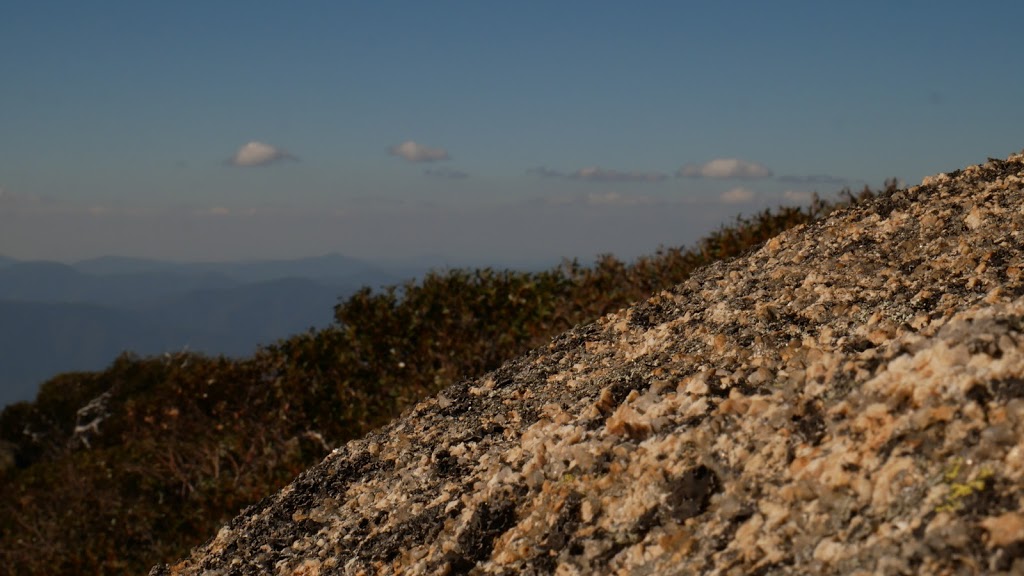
{"x": 1004, "y": 529}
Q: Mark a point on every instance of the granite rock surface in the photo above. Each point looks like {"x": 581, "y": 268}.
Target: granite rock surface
{"x": 846, "y": 399}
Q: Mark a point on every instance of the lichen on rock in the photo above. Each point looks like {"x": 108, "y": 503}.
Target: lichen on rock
{"x": 847, "y": 399}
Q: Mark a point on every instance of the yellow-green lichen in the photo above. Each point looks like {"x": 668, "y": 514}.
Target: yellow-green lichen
{"x": 959, "y": 490}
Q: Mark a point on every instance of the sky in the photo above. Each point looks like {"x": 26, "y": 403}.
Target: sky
{"x": 493, "y": 132}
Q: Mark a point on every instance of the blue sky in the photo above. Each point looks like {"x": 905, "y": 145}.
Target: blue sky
{"x": 476, "y": 131}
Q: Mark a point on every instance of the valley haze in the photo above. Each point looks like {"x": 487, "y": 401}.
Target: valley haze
{"x": 58, "y": 317}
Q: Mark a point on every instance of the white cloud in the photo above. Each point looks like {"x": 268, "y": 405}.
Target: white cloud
{"x": 259, "y": 154}
{"x": 606, "y": 199}
{"x": 814, "y": 179}
{"x": 738, "y": 195}
{"x": 598, "y": 174}
{"x": 414, "y": 152}
{"x": 723, "y": 168}
{"x": 797, "y": 196}
{"x": 616, "y": 199}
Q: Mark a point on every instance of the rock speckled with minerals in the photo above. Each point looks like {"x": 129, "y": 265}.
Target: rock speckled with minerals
{"x": 847, "y": 399}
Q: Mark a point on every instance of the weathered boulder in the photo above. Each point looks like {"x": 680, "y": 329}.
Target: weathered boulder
{"x": 847, "y": 399}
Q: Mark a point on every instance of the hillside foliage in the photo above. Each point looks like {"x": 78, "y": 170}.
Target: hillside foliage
{"x": 115, "y": 471}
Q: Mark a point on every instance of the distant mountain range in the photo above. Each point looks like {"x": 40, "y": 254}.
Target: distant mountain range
{"x": 68, "y": 317}
{"x": 126, "y": 281}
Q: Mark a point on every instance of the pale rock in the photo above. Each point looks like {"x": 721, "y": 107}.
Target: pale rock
{"x": 847, "y": 399}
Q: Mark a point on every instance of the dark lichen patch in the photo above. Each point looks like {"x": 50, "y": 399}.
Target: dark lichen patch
{"x": 926, "y": 303}
{"x": 614, "y": 547}
{"x": 637, "y": 532}
{"x": 520, "y": 372}
{"x": 480, "y": 432}
{"x": 909, "y": 266}
{"x": 1014, "y": 322}
{"x": 857, "y": 346}
{"x": 885, "y": 205}
{"x": 621, "y": 388}
{"x": 998, "y": 258}
{"x": 748, "y": 389}
{"x": 489, "y": 521}
{"x": 861, "y": 245}
{"x": 810, "y": 423}
{"x": 1005, "y": 558}
{"x": 886, "y": 450}
{"x": 565, "y": 526}
{"x": 989, "y": 496}
{"x": 772, "y": 569}
{"x": 459, "y": 400}
{"x": 694, "y": 421}
{"x": 454, "y": 564}
{"x": 997, "y": 168}
{"x": 721, "y": 541}
{"x": 311, "y": 487}
{"x": 1013, "y": 289}
{"x": 614, "y": 395}
{"x": 387, "y": 545}
{"x": 871, "y": 364}
{"x": 447, "y": 466}
{"x": 984, "y": 345}
{"x": 652, "y": 313}
{"x": 843, "y": 383}
{"x": 1008, "y": 388}
{"x": 690, "y": 494}
{"x": 502, "y": 379}
{"x": 644, "y": 524}
{"x": 980, "y": 394}
{"x": 560, "y": 537}
{"x": 716, "y": 385}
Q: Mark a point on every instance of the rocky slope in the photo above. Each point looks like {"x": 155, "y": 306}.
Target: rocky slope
{"x": 848, "y": 399}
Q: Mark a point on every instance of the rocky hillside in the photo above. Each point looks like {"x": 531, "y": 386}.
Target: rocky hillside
{"x": 847, "y": 399}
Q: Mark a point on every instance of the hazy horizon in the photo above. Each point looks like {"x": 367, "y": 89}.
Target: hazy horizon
{"x": 424, "y": 261}
{"x": 525, "y": 132}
